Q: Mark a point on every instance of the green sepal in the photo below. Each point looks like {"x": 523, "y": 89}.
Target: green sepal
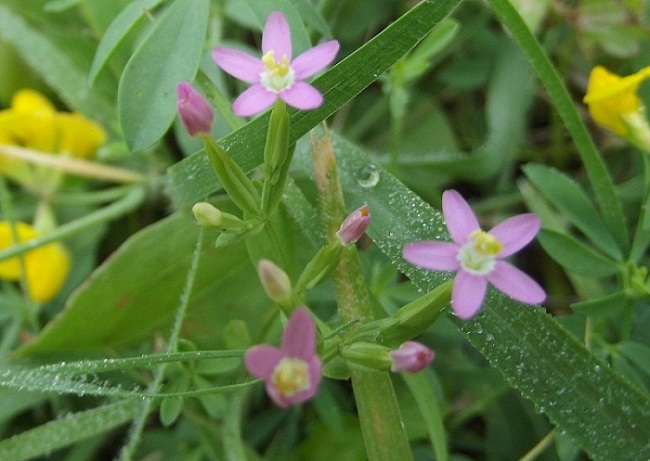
{"x": 230, "y": 238}
{"x": 409, "y": 321}
{"x": 277, "y": 157}
{"x": 323, "y": 262}
{"x": 240, "y": 189}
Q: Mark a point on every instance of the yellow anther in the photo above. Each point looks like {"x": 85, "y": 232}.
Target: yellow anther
{"x": 290, "y": 376}
{"x": 273, "y": 67}
{"x": 485, "y": 244}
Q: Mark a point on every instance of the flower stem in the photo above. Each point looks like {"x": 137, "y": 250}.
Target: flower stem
{"x": 379, "y": 415}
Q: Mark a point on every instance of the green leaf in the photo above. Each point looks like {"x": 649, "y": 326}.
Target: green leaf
{"x": 601, "y": 411}
{"x": 117, "y": 31}
{"x": 58, "y": 69}
{"x": 338, "y": 85}
{"x": 261, "y": 10}
{"x": 575, "y": 256}
{"x": 147, "y": 91}
{"x": 136, "y": 291}
{"x": 637, "y": 353}
{"x": 605, "y": 306}
{"x": 569, "y": 198}
{"x": 420, "y": 388}
{"x": 57, "y": 434}
{"x": 595, "y": 167}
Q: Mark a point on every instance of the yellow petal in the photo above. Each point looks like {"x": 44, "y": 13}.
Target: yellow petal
{"x": 78, "y": 135}
{"x": 46, "y": 267}
{"x": 29, "y": 102}
{"x": 610, "y": 97}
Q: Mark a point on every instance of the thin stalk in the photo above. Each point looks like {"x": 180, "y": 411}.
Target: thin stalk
{"x": 128, "y": 451}
{"x": 379, "y": 415}
{"x": 133, "y": 199}
{"x": 76, "y": 166}
{"x": 538, "y": 449}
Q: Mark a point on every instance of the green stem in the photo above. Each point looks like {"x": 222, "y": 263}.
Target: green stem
{"x": 601, "y": 181}
{"x": 538, "y": 449}
{"x": 379, "y": 415}
{"x": 135, "y": 196}
{"x": 641, "y": 237}
{"x": 139, "y": 422}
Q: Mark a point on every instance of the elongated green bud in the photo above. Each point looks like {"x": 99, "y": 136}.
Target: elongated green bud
{"x": 239, "y": 188}
{"x": 323, "y": 262}
{"x": 277, "y": 157}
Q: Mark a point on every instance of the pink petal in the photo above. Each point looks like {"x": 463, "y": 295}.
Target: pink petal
{"x": 516, "y": 232}
{"x": 302, "y": 96}
{"x": 238, "y": 64}
{"x": 459, "y": 217}
{"x": 252, "y": 101}
{"x": 299, "y": 338}
{"x": 277, "y": 36}
{"x": 261, "y": 360}
{"x": 516, "y": 284}
{"x": 467, "y": 294}
{"x": 314, "y": 59}
{"x": 432, "y": 255}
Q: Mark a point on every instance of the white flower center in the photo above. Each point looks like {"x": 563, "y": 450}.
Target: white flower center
{"x": 291, "y": 375}
{"x": 478, "y": 255}
{"x": 277, "y": 76}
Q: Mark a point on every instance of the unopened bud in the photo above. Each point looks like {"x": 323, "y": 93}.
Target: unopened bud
{"x": 366, "y": 355}
{"x": 411, "y": 357}
{"x": 275, "y": 281}
{"x": 207, "y": 215}
{"x": 194, "y": 111}
{"x": 354, "y": 225}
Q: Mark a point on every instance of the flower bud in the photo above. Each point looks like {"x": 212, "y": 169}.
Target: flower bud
{"x": 194, "y": 111}
{"x": 411, "y": 357}
{"x": 367, "y": 356}
{"x": 207, "y": 215}
{"x": 275, "y": 281}
{"x": 354, "y": 225}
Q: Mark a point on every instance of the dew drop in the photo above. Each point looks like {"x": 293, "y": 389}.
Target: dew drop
{"x": 368, "y": 176}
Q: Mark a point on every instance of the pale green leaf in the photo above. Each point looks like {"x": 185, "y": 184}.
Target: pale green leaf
{"x": 147, "y": 90}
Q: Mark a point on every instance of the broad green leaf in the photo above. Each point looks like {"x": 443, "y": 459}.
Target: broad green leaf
{"x": 117, "y": 31}
{"x": 136, "y": 292}
{"x": 58, "y": 69}
{"x": 59, "y": 433}
{"x": 147, "y": 91}
{"x": 601, "y": 411}
{"x": 338, "y": 85}
{"x": 575, "y": 256}
{"x": 567, "y": 196}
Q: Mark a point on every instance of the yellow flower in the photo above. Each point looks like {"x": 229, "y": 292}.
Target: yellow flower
{"x": 613, "y": 102}
{"x": 33, "y": 122}
{"x": 46, "y": 267}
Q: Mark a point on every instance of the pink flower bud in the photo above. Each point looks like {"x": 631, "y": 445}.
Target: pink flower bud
{"x": 194, "y": 111}
{"x": 275, "y": 281}
{"x": 411, "y": 357}
{"x": 354, "y": 225}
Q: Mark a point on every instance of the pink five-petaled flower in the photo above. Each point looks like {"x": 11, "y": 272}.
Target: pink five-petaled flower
{"x": 276, "y": 75}
{"x": 478, "y": 256}
{"x": 411, "y": 357}
{"x": 194, "y": 111}
{"x": 291, "y": 373}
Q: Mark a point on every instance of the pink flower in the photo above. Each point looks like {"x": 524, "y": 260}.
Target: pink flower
{"x": 276, "y": 75}
{"x": 293, "y": 372}
{"x": 478, "y": 256}
{"x": 411, "y": 357}
{"x": 194, "y": 111}
{"x": 354, "y": 225}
